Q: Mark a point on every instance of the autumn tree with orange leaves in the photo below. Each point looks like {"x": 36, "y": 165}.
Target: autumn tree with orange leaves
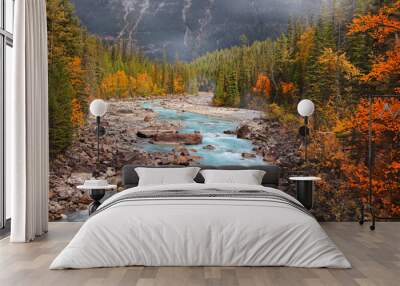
{"x": 386, "y": 163}
{"x": 384, "y": 28}
{"x": 179, "y": 87}
{"x": 384, "y": 75}
{"x": 77, "y": 117}
{"x": 143, "y": 85}
{"x": 115, "y": 85}
{"x": 287, "y": 87}
{"x": 77, "y": 80}
{"x": 263, "y": 85}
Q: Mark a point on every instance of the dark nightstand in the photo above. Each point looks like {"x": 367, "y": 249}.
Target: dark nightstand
{"x": 304, "y": 190}
{"x": 96, "y": 193}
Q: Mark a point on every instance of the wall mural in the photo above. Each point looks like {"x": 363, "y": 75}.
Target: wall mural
{"x": 217, "y": 82}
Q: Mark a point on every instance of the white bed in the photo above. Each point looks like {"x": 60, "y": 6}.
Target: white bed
{"x": 201, "y": 231}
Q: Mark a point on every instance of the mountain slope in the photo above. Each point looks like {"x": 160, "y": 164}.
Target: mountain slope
{"x": 188, "y": 28}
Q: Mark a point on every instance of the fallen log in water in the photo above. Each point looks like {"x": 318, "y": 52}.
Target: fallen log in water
{"x": 186, "y": 139}
{"x": 150, "y": 133}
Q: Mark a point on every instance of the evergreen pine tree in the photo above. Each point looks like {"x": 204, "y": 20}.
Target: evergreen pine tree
{"x": 319, "y": 84}
{"x": 60, "y": 96}
{"x": 232, "y": 89}
{"x": 219, "y": 95}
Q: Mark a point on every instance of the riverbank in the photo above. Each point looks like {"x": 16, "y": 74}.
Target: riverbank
{"x": 201, "y": 104}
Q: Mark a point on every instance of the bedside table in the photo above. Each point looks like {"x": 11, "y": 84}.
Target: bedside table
{"x": 96, "y": 193}
{"x": 304, "y": 190}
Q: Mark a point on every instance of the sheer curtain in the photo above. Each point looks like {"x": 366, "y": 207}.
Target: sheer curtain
{"x": 28, "y": 122}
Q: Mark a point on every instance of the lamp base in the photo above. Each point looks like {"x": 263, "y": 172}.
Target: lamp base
{"x": 304, "y": 131}
{"x": 95, "y": 174}
{"x": 101, "y": 131}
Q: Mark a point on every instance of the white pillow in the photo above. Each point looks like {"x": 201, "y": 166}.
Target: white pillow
{"x": 166, "y": 176}
{"x": 247, "y": 177}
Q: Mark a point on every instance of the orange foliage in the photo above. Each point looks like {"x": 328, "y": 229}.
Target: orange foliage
{"x": 379, "y": 26}
{"x": 179, "y": 87}
{"x": 77, "y": 117}
{"x": 305, "y": 43}
{"x": 386, "y": 118}
{"x": 76, "y": 76}
{"x": 115, "y": 85}
{"x": 386, "y": 138}
{"x": 76, "y": 72}
{"x": 121, "y": 85}
{"x": 263, "y": 85}
{"x": 143, "y": 85}
{"x": 338, "y": 62}
{"x": 384, "y": 28}
{"x": 287, "y": 87}
{"x": 385, "y": 66}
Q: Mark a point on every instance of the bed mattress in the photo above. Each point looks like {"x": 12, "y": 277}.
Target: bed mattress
{"x": 201, "y": 225}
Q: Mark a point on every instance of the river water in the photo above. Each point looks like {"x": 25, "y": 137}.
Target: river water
{"x": 228, "y": 148}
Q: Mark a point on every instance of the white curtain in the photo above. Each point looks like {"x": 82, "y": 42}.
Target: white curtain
{"x": 28, "y": 123}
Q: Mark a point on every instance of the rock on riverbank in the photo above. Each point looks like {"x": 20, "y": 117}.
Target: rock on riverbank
{"x": 278, "y": 145}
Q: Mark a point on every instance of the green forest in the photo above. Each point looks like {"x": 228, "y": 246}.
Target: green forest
{"x": 336, "y": 58}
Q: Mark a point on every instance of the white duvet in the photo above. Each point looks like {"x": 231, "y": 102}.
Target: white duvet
{"x": 200, "y": 231}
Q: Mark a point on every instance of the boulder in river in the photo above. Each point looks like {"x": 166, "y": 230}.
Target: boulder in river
{"x": 177, "y": 138}
{"x": 148, "y": 118}
{"x": 144, "y": 134}
{"x": 243, "y": 132}
{"x": 209, "y": 147}
{"x": 150, "y": 133}
{"x": 248, "y": 155}
{"x": 229, "y": 132}
{"x": 182, "y": 151}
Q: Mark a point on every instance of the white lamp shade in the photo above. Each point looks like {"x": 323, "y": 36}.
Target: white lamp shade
{"x": 305, "y": 107}
{"x": 98, "y": 107}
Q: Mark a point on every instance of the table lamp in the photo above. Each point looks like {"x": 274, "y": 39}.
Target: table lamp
{"x": 98, "y": 108}
{"x": 305, "y": 108}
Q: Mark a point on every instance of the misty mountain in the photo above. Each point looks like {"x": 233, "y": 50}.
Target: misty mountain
{"x": 185, "y": 29}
